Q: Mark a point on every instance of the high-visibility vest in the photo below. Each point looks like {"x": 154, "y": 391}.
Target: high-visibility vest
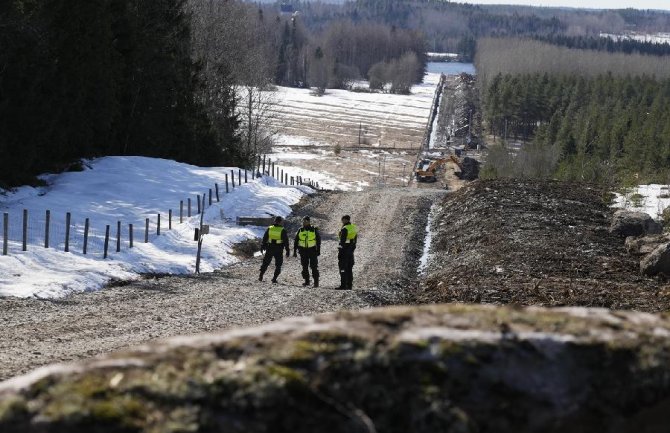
{"x": 352, "y": 232}
{"x": 307, "y": 237}
{"x": 274, "y": 234}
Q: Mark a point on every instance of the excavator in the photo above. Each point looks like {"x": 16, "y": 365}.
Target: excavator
{"x": 426, "y": 169}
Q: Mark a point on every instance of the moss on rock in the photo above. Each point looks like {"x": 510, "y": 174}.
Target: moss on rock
{"x": 446, "y": 368}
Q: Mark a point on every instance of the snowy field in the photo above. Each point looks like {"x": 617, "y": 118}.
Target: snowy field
{"x": 656, "y": 38}
{"x": 128, "y": 189}
{"x": 382, "y": 119}
{"x": 651, "y": 199}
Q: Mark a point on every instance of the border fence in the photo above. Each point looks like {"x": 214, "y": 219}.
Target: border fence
{"x": 65, "y": 231}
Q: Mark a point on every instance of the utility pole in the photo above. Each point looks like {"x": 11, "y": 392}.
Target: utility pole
{"x": 360, "y": 127}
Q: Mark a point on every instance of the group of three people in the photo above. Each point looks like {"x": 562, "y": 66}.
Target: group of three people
{"x": 308, "y": 243}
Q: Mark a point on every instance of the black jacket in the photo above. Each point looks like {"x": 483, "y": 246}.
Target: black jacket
{"x": 310, "y": 228}
{"x": 284, "y": 241}
{"x": 343, "y": 240}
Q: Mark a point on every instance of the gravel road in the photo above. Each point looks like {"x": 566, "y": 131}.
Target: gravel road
{"x": 392, "y": 227}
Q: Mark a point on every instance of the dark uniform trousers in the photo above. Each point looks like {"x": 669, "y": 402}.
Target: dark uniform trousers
{"x": 345, "y": 261}
{"x": 275, "y": 251}
{"x": 309, "y": 259}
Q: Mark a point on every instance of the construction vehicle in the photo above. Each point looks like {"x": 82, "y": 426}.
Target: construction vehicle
{"x": 426, "y": 169}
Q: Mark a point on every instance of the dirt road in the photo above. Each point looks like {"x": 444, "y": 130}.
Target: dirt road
{"x": 392, "y": 224}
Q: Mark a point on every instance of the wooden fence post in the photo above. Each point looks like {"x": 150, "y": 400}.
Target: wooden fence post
{"x": 232, "y": 178}
{"x": 87, "y": 225}
{"x": 245, "y": 176}
{"x": 263, "y": 172}
{"x": 106, "y": 241}
{"x": 239, "y": 177}
{"x": 130, "y": 235}
{"x": 5, "y": 233}
{"x": 181, "y": 211}
{"x": 158, "y": 225}
{"x": 210, "y": 196}
{"x": 118, "y": 236}
{"x": 169, "y": 219}
{"x": 146, "y": 231}
{"x": 25, "y": 230}
{"x": 226, "y": 183}
{"x": 189, "y": 208}
{"x": 68, "y": 219}
{"x": 46, "y": 229}
{"x": 216, "y": 188}
{"x": 273, "y": 169}
{"x": 198, "y": 205}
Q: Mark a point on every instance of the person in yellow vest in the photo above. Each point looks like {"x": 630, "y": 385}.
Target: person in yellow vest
{"x": 345, "y": 254}
{"x": 275, "y": 240}
{"x": 308, "y": 244}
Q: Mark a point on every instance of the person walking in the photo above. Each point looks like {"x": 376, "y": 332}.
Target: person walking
{"x": 275, "y": 240}
{"x": 345, "y": 253}
{"x": 308, "y": 244}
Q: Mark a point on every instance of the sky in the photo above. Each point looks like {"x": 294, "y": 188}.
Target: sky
{"x": 594, "y": 4}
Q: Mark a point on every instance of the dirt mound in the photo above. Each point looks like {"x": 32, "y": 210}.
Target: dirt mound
{"x": 534, "y": 243}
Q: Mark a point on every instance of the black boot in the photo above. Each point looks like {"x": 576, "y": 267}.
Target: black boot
{"x": 306, "y": 283}
{"x": 316, "y": 283}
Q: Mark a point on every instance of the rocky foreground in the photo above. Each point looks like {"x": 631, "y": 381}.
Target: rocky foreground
{"x": 453, "y": 368}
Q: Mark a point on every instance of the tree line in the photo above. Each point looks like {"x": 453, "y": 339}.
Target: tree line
{"x": 597, "y": 43}
{"x": 100, "y": 77}
{"x": 526, "y": 56}
{"x": 602, "y": 127}
{"x": 187, "y": 80}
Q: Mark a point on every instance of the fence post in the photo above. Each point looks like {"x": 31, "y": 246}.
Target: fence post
{"x": 245, "y": 176}
{"x": 169, "y": 219}
{"x": 281, "y": 176}
{"x": 146, "y": 231}
{"x": 181, "y": 211}
{"x": 263, "y": 172}
{"x": 5, "y": 232}
{"x": 130, "y": 235}
{"x": 210, "y": 196}
{"x": 106, "y": 241}
{"x": 226, "y": 183}
{"x": 273, "y": 169}
{"x": 232, "y": 178}
{"x": 118, "y": 236}
{"x": 216, "y": 188}
{"x": 68, "y": 219}
{"x": 239, "y": 177}
{"x": 86, "y": 227}
{"x": 158, "y": 225}
{"x": 189, "y": 207}
{"x": 46, "y": 229}
{"x": 291, "y": 180}
{"x": 25, "y": 229}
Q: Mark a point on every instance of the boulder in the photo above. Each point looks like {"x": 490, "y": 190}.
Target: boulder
{"x": 628, "y": 223}
{"x": 640, "y": 246}
{"x": 439, "y": 368}
{"x": 657, "y": 262}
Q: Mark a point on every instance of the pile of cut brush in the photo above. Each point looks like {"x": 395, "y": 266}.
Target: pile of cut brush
{"x": 535, "y": 243}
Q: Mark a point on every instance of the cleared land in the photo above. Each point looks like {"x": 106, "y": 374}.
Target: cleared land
{"x": 534, "y": 243}
{"x": 392, "y": 224}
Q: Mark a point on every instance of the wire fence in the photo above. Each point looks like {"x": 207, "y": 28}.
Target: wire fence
{"x": 68, "y": 232}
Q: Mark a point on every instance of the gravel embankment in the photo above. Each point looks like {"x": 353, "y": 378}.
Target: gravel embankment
{"x": 392, "y": 224}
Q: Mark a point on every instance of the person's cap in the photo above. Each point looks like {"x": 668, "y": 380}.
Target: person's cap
{"x": 346, "y": 217}
{"x": 278, "y": 219}
{"x": 305, "y": 218}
